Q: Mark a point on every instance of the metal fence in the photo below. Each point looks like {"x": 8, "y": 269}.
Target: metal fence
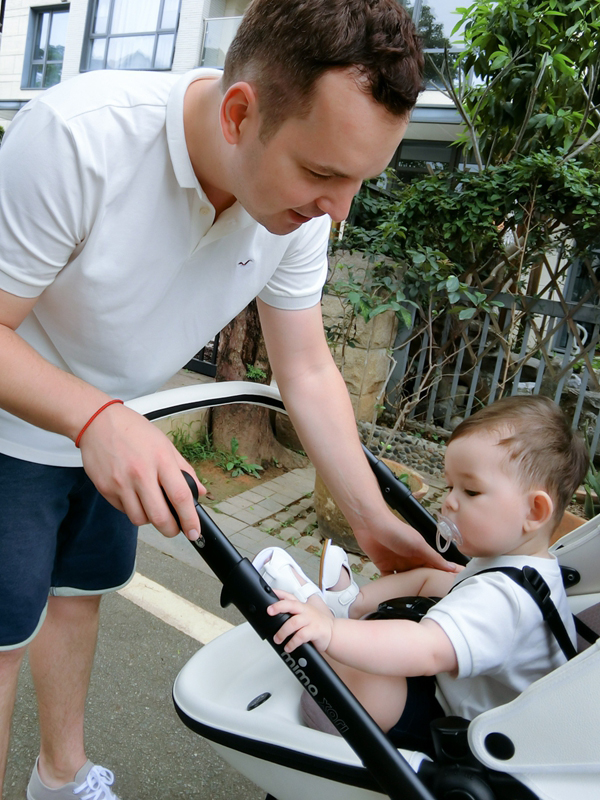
{"x": 205, "y": 362}
{"x": 531, "y": 345}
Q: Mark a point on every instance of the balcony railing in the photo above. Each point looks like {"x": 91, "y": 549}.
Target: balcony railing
{"x": 218, "y": 35}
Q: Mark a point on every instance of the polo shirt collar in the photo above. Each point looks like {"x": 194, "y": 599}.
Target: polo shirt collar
{"x": 184, "y": 172}
{"x": 234, "y": 217}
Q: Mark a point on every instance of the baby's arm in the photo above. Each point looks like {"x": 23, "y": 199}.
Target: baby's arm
{"x": 379, "y": 647}
{"x": 423, "y": 581}
{"x": 396, "y": 647}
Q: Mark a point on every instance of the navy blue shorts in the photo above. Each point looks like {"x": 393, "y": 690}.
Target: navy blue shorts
{"x": 413, "y": 729}
{"x": 58, "y": 536}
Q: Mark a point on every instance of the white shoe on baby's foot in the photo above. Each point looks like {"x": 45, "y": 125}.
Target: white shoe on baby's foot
{"x": 333, "y": 561}
{"x": 277, "y": 567}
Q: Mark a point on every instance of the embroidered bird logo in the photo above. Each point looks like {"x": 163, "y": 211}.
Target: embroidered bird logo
{"x": 245, "y": 263}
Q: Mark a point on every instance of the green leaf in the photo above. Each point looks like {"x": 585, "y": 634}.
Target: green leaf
{"x": 405, "y": 317}
{"x": 380, "y": 310}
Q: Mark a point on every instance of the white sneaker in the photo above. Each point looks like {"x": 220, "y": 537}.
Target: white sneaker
{"x": 333, "y": 561}
{"x": 91, "y": 783}
{"x": 277, "y": 567}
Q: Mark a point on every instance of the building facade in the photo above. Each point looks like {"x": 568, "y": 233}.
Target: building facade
{"x": 43, "y": 43}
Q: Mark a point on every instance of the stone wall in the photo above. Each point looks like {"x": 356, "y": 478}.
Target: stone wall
{"x": 365, "y": 366}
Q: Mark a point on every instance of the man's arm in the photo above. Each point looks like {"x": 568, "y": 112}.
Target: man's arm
{"x": 317, "y": 401}
{"x": 126, "y": 457}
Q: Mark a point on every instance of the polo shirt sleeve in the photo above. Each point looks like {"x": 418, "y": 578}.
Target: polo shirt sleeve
{"x": 42, "y": 200}
{"x": 481, "y": 618}
{"x": 298, "y": 281}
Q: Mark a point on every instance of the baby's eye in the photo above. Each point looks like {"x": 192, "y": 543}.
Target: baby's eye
{"x": 471, "y": 493}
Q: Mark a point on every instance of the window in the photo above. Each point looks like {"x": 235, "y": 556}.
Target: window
{"x": 132, "y": 34}
{"x": 46, "y": 49}
{"x": 435, "y": 20}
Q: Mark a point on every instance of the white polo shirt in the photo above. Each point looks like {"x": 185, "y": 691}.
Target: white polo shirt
{"x": 103, "y": 218}
{"x": 501, "y": 641}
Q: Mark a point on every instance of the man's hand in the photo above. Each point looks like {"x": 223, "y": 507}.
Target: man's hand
{"x": 130, "y": 462}
{"x": 127, "y": 458}
{"x": 317, "y": 401}
{"x": 393, "y": 546}
{"x": 308, "y": 623}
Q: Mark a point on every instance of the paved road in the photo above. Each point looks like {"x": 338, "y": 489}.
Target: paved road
{"x": 132, "y": 727}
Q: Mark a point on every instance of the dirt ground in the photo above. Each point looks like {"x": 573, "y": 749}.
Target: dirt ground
{"x": 221, "y": 485}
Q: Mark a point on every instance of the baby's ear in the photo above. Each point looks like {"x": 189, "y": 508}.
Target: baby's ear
{"x": 541, "y": 508}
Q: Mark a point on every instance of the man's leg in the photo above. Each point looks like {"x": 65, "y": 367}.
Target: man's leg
{"x": 10, "y": 663}
{"x": 61, "y": 658}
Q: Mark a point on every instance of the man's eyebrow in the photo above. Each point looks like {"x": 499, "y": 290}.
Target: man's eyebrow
{"x": 325, "y": 170}
{"x": 332, "y": 172}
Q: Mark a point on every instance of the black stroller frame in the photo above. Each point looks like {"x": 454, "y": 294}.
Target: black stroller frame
{"x": 455, "y": 774}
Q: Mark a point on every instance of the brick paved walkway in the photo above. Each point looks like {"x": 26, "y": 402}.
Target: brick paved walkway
{"x": 276, "y": 513}
{"x": 280, "y": 513}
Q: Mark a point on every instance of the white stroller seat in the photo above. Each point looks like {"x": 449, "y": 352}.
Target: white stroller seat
{"x": 548, "y": 736}
{"x": 590, "y": 617}
{"x": 580, "y": 550}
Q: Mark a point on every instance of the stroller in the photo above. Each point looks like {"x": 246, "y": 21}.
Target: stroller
{"x": 242, "y": 693}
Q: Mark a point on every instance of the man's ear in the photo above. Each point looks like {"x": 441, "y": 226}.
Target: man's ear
{"x": 541, "y": 508}
{"x": 238, "y": 107}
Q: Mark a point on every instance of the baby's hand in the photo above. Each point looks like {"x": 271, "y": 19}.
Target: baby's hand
{"x": 308, "y": 624}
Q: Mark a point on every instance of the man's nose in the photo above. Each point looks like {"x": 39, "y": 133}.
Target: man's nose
{"x": 337, "y": 202}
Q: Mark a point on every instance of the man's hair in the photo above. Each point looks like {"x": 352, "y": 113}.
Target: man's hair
{"x": 284, "y": 46}
{"x": 545, "y": 451}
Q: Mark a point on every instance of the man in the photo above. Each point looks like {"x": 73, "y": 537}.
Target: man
{"x": 139, "y": 213}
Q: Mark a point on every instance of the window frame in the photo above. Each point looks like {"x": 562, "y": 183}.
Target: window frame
{"x": 36, "y": 15}
{"x": 91, "y": 37}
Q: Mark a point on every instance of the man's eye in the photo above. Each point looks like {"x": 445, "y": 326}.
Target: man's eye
{"x": 471, "y": 493}
{"x": 319, "y": 175}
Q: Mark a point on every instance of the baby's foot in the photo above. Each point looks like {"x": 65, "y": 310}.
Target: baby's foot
{"x": 280, "y": 571}
{"x": 337, "y": 585}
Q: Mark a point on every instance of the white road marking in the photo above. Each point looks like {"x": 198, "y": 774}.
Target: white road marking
{"x": 174, "y": 610}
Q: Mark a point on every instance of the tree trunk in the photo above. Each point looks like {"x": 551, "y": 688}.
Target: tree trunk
{"x": 241, "y": 345}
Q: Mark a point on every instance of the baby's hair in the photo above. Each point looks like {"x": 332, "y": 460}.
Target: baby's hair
{"x": 547, "y": 453}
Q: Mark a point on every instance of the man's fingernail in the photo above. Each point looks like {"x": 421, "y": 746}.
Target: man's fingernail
{"x": 193, "y": 535}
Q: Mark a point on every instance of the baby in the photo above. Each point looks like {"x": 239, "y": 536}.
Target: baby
{"x": 511, "y": 470}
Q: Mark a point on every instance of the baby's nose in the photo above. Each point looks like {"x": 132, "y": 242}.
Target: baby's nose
{"x": 449, "y": 503}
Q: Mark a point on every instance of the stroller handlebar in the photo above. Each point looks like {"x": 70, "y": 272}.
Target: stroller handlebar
{"x": 399, "y": 497}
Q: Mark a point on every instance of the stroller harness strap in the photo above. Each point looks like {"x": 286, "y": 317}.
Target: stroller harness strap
{"x": 532, "y": 582}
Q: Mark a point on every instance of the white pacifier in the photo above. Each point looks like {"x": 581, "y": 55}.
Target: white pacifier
{"x": 447, "y": 531}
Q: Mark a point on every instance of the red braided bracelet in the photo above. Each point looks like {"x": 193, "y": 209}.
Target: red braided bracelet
{"x": 93, "y": 417}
